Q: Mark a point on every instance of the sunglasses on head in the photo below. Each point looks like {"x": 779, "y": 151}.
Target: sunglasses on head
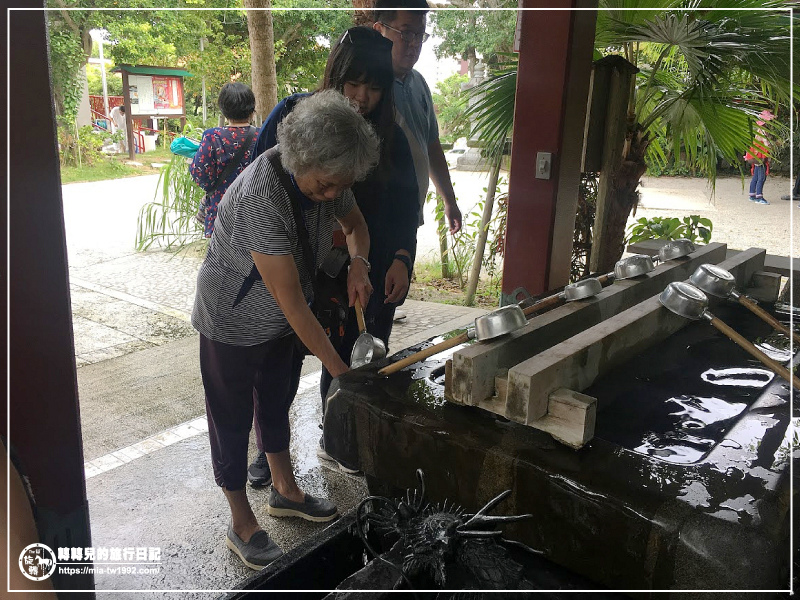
{"x": 363, "y": 36}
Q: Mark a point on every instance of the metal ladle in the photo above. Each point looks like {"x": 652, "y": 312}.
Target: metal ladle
{"x": 716, "y": 281}
{"x": 486, "y": 327}
{"x": 628, "y": 268}
{"x": 676, "y": 249}
{"x": 585, "y": 288}
{"x": 367, "y": 347}
{"x": 687, "y": 301}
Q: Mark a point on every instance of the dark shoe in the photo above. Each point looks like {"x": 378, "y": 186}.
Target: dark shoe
{"x": 761, "y": 201}
{"x": 752, "y": 198}
{"x": 313, "y": 509}
{"x": 257, "y": 553}
{"x": 258, "y": 473}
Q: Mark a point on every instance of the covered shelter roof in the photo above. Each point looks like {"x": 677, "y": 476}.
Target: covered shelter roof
{"x": 149, "y": 70}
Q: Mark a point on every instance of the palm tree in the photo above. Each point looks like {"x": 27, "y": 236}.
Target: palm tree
{"x": 703, "y": 77}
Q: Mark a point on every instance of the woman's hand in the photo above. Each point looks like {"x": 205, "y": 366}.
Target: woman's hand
{"x": 396, "y": 285}
{"x": 358, "y": 285}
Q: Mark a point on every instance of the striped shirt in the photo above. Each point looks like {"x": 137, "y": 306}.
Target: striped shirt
{"x": 256, "y": 215}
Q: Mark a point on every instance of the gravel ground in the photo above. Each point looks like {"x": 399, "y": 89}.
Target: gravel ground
{"x": 737, "y": 221}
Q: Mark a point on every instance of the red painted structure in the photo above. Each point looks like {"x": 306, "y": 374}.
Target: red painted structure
{"x": 552, "y": 88}
{"x": 96, "y": 103}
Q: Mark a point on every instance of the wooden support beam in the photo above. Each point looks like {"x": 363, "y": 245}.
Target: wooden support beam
{"x": 764, "y": 287}
{"x": 570, "y": 417}
{"x": 474, "y": 367}
{"x": 578, "y": 361}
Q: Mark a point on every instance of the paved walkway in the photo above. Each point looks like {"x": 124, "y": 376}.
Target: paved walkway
{"x": 149, "y": 480}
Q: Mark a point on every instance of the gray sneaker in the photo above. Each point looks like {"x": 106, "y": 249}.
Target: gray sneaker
{"x": 313, "y": 509}
{"x": 325, "y": 456}
{"x": 258, "y": 552}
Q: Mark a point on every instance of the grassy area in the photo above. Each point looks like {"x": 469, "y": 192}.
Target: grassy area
{"x": 115, "y": 167}
{"x": 429, "y": 285}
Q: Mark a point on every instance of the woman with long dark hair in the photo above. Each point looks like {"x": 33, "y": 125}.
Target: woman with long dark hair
{"x": 360, "y": 67}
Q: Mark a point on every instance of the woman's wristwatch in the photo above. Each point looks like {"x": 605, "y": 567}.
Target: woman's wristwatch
{"x": 406, "y": 261}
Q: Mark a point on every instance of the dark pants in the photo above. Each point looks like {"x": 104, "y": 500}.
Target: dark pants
{"x": 378, "y": 318}
{"x": 757, "y": 182}
{"x": 237, "y": 380}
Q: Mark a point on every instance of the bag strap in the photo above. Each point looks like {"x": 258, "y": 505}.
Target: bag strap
{"x": 294, "y": 196}
{"x": 236, "y": 160}
{"x": 302, "y": 232}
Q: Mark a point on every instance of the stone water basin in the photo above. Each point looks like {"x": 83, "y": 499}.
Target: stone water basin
{"x": 684, "y": 487}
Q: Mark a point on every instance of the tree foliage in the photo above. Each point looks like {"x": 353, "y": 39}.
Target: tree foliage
{"x": 467, "y": 34}
{"x": 704, "y": 75}
{"x": 450, "y": 105}
{"x": 172, "y": 38}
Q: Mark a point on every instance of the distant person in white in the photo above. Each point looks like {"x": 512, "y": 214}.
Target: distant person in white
{"x": 118, "y": 122}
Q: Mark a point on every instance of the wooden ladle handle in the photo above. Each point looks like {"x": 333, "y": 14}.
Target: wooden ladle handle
{"x": 603, "y": 279}
{"x": 423, "y": 354}
{"x": 756, "y": 309}
{"x": 544, "y": 303}
{"x": 362, "y": 326}
{"x": 756, "y": 353}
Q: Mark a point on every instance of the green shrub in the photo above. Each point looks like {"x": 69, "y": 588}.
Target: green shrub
{"x": 693, "y": 227}
{"x": 172, "y": 220}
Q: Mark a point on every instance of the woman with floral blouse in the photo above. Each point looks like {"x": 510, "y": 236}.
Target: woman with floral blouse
{"x": 220, "y": 146}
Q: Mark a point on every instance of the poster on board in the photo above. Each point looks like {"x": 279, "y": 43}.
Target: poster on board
{"x": 156, "y": 95}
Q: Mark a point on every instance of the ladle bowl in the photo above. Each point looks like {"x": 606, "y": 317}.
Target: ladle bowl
{"x": 713, "y": 280}
{"x": 716, "y": 281}
{"x": 486, "y": 327}
{"x": 685, "y": 300}
{"x": 367, "y": 348}
{"x": 689, "y": 302}
{"x": 633, "y": 266}
{"x": 676, "y": 249}
{"x": 585, "y": 288}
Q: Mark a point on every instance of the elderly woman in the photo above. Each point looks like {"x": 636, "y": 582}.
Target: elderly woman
{"x": 249, "y": 330}
{"x": 360, "y": 67}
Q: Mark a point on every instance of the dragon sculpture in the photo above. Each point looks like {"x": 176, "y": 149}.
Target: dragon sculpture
{"x": 440, "y": 546}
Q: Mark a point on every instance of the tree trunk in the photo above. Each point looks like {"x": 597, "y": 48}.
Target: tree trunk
{"x": 444, "y": 251}
{"x": 262, "y": 57}
{"x": 362, "y": 16}
{"x": 621, "y": 198}
{"x": 480, "y": 245}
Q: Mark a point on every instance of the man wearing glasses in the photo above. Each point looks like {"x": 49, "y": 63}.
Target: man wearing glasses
{"x": 398, "y": 21}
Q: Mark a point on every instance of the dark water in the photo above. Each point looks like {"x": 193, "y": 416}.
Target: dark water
{"x": 677, "y": 400}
